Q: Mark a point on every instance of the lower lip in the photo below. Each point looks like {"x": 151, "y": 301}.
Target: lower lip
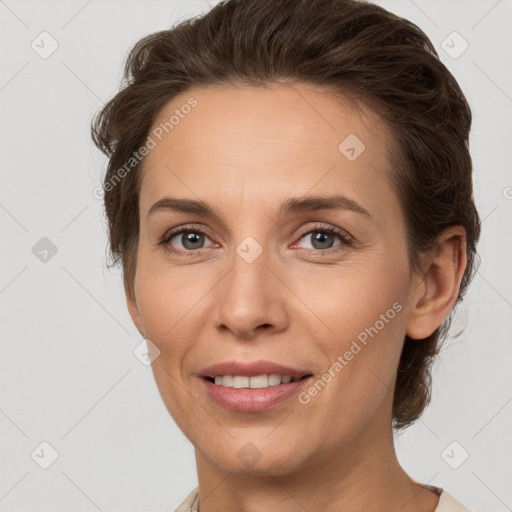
{"x": 253, "y": 400}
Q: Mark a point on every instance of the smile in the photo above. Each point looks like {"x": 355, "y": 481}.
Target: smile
{"x": 255, "y": 382}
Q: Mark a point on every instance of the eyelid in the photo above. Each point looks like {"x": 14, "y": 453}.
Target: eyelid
{"x": 343, "y": 234}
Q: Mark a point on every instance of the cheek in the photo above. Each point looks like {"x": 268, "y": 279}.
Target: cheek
{"x": 350, "y": 299}
{"x": 361, "y": 333}
{"x": 166, "y": 297}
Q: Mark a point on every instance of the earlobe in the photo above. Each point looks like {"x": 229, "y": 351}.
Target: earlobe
{"x": 440, "y": 284}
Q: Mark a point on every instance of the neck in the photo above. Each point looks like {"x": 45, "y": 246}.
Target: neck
{"x": 363, "y": 475}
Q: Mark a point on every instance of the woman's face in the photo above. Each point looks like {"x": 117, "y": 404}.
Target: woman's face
{"x": 262, "y": 275}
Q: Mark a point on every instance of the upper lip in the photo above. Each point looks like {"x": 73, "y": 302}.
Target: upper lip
{"x": 252, "y": 369}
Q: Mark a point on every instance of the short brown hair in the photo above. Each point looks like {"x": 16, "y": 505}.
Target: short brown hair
{"x": 349, "y": 46}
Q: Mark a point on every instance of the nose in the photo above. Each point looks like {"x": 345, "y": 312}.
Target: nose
{"x": 252, "y": 299}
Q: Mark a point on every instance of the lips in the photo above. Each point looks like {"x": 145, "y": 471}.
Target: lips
{"x": 249, "y": 399}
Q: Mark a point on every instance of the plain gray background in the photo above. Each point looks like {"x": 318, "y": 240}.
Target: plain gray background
{"x": 68, "y": 373}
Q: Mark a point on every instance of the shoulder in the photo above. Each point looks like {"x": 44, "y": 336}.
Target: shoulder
{"x": 447, "y": 503}
{"x": 189, "y": 504}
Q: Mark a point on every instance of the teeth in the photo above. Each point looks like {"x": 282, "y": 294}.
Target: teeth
{"x": 274, "y": 380}
{"x": 258, "y": 381}
{"x": 241, "y": 382}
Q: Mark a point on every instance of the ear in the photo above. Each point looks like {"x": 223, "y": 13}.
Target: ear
{"x": 435, "y": 295}
{"x": 129, "y": 292}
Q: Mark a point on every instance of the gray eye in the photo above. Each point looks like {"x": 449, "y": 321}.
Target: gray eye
{"x": 192, "y": 240}
{"x": 188, "y": 239}
{"x": 321, "y": 239}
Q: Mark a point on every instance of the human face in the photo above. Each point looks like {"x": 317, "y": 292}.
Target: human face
{"x": 259, "y": 286}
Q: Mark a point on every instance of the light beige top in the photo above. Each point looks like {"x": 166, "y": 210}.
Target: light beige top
{"x": 447, "y": 503}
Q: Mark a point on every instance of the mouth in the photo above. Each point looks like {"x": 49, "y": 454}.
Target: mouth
{"x": 254, "y": 382}
{"x": 252, "y": 386}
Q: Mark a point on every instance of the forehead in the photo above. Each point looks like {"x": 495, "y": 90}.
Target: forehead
{"x": 255, "y": 144}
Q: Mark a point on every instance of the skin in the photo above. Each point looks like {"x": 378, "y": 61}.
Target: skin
{"x": 244, "y": 151}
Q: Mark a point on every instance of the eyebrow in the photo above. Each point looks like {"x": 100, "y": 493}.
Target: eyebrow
{"x": 291, "y": 205}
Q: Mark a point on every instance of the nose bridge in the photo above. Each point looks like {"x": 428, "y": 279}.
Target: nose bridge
{"x": 247, "y": 300}
{"x": 248, "y": 280}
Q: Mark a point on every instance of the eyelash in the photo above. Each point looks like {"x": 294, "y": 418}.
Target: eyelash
{"x": 345, "y": 238}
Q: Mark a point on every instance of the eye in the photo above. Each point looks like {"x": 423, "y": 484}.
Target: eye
{"x": 190, "y": 239}
{"x": 322, "y": 238}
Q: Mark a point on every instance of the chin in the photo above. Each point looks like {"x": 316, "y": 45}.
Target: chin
{"x": 260, "y": 457}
